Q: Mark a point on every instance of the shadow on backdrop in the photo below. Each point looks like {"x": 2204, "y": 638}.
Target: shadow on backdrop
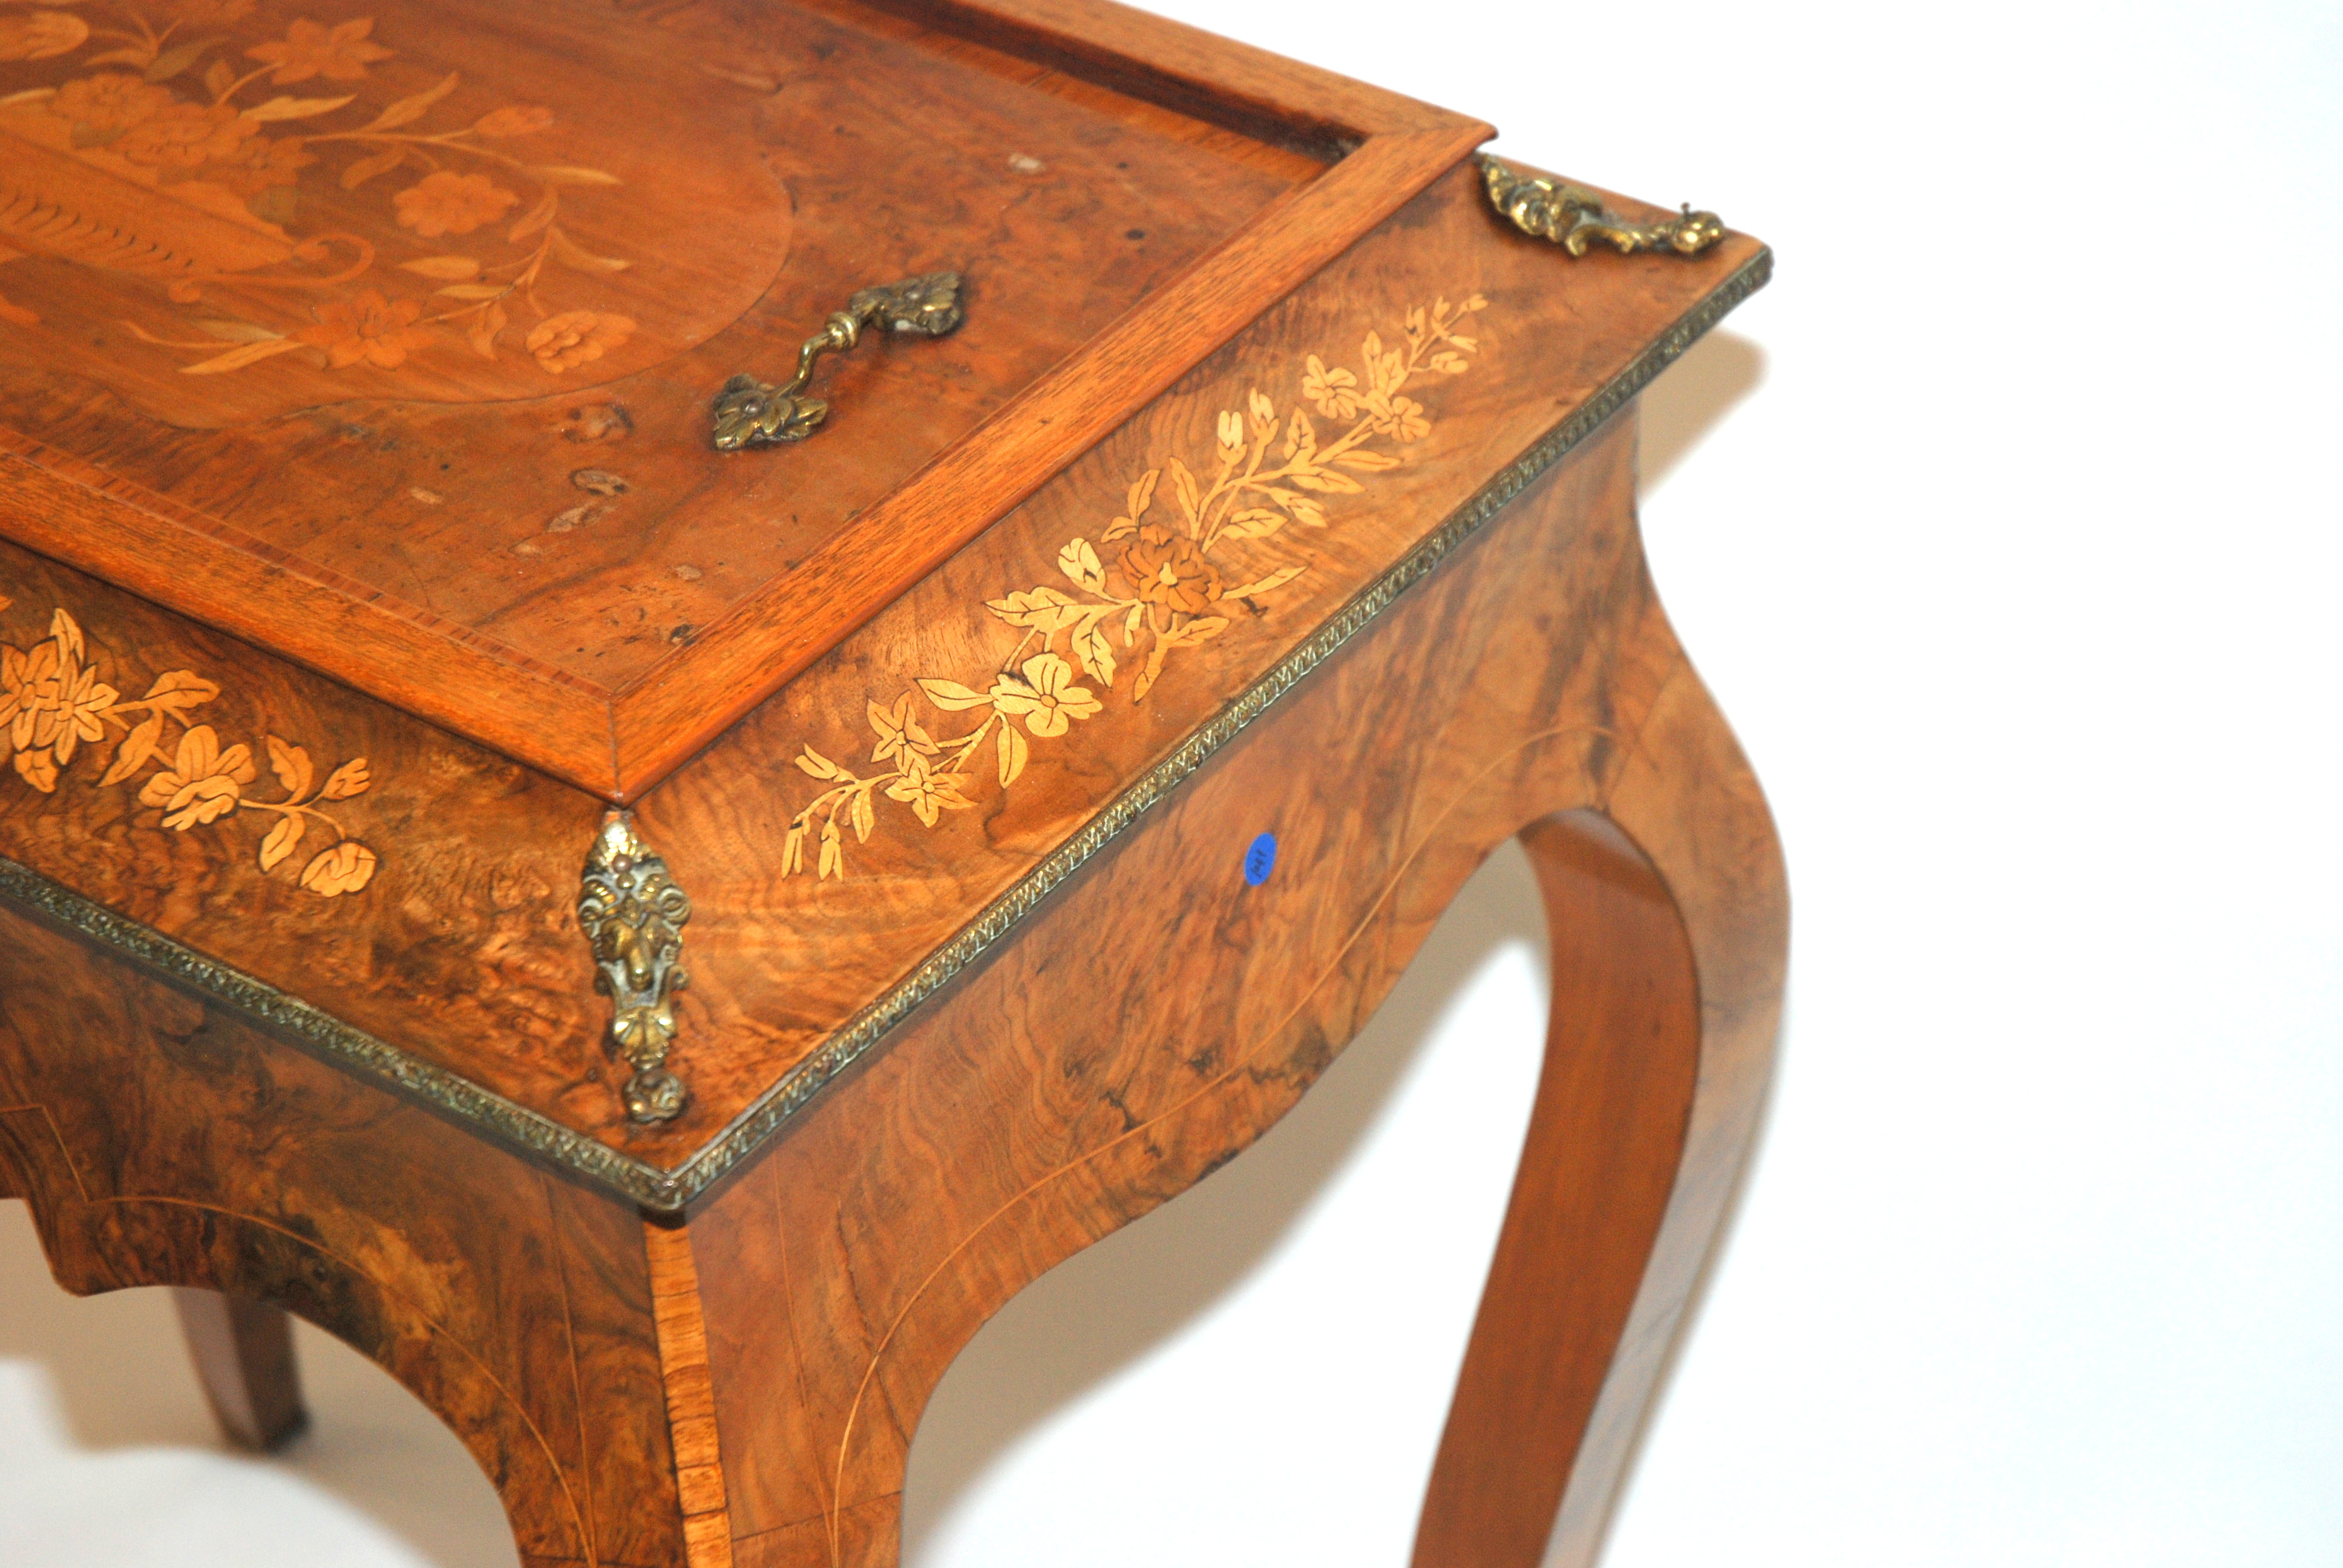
{"x": 117, "y": 1372}
{"x": 1110, "y": 1304}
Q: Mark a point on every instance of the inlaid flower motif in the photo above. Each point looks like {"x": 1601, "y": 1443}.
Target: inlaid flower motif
{"x": 51, "y": 703}
{"x": 27, "y": 696}
{"x": 41, "y": 34}
{"x": 344, "y": 869}
{"x": 1334, "y": 391}
{"x": 109, "y": 101}
{"x": 1149, "y": 585}
{"x": 446, "y": 202}
{"x": 1040, "y": 693}
{"x": 183, "y": 135}
{"x": 899, "y": 734}
{"x": 341, "y": 53}
{"x": 369, "y": 328}
{"x": 76, "y": 712}
{"x": 263, "y": 163}
{"x": 203, "y": 784}
{"x": 27, "y": 687}
{"x": 1167, "y": 569}
{"x": 1407, "y": 420}
{"x": 571, "y": 338}
{"x": 513, "y": 120}
{"x": 928, "y": 793}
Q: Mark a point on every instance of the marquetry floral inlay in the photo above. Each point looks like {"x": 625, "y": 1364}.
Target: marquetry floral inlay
{"x": 1162, "y": 575}
{"x": 198, "y": 144}
{"x": 54, "y": 708}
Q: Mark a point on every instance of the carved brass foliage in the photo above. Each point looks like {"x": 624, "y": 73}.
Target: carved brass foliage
{"x": 633, "y": 916}
{"x": 54, "y": 708}
{"x": 1165, "y": 575}
{"x": 1576, "y": 219}
{"x": 752, "y": 413}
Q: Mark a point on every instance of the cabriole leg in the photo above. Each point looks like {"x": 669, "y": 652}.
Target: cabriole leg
{"x": 243, "y": 1353}
{"x": 1606, "y": 1137}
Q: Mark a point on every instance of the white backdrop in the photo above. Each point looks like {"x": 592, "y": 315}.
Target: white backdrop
{"x": 2005, "y": 527}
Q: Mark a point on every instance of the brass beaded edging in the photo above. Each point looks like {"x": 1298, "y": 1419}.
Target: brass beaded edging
{"x": 777, "y": 1104}
{"x": 669, "y": 1192}
{"x": 331, "y": 1038}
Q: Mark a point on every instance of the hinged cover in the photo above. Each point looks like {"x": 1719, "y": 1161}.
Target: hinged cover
{"x": 384, "y": 333}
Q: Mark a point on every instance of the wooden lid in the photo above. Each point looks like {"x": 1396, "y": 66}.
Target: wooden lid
{"x": 386, "y": 339}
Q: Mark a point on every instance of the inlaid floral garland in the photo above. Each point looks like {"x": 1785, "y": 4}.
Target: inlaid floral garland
{"x": 1157, "y": 580}
{"x": 161, "y": 95}
{"x": 53, "y": 706}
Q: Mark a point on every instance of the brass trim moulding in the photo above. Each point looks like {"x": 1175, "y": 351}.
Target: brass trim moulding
{"x": 752, "y": 413}
{"x": 669, "y": 1192}
{"x": 1576, "y": 219}
{"x": 328, "y": 1037}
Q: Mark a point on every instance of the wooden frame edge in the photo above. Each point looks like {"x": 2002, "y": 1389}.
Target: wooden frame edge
{"x": 665, "y": 717}
{"x": 670, "y": 1191}
{"x": 617, "y": 745}
{"x": 55, "y": 505}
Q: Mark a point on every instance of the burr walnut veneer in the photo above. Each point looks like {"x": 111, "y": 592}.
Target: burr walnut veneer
{"x": 655, "y": 944}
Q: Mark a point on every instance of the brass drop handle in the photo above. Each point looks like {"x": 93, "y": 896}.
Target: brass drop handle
{"x": 1574, "y": 219}
{"x": 754, "y": 412}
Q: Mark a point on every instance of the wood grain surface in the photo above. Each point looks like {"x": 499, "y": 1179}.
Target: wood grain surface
{"x": 161, "y": 1142}
{"x": 784, "y": 961}
{"x": 742, "y": 1388}
{"x": 1246, "y": 502}
{"x": 1159, "y": 1014}
{"x": 463, "y": 949}
{"x": 559, "y": 565}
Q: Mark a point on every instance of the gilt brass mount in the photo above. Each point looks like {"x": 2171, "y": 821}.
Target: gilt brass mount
{"x": 754, "y": 412}
{"x": 633, "y": 917}
{"x": 1575, "y": 219}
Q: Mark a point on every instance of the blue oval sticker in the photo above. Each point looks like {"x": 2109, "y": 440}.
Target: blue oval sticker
{"x": 1260, "y": 860}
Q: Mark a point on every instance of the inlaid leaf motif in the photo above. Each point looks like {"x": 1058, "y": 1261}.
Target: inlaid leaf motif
{"x": 237, "y": 359}
{"x": 1184, "y": 489}
{"x": 570, "y": 253}
{"x": 346, "y": 867}
{"x": 561, "y": 176}
{"x": 235, "y": 331}
{"x": 1045, "y": 608}
{"x": 1275, "y": 579}
{"x": 1079, "y": 562}
{"x": 1092, "y": 649}
{"x": 144, "y": 737}
{"x": 287, "y": 108}
{"x": 291, "y": 765}
{"x": 951, "y": 695}
{"x": 373, "y": 164}
{"x": 178, "y": 57}
{"x": 350, "y": 779}
{"x": 407, "y": 110}
{"x": 281, "y": 841}
{"x": 1156, "y": 582}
